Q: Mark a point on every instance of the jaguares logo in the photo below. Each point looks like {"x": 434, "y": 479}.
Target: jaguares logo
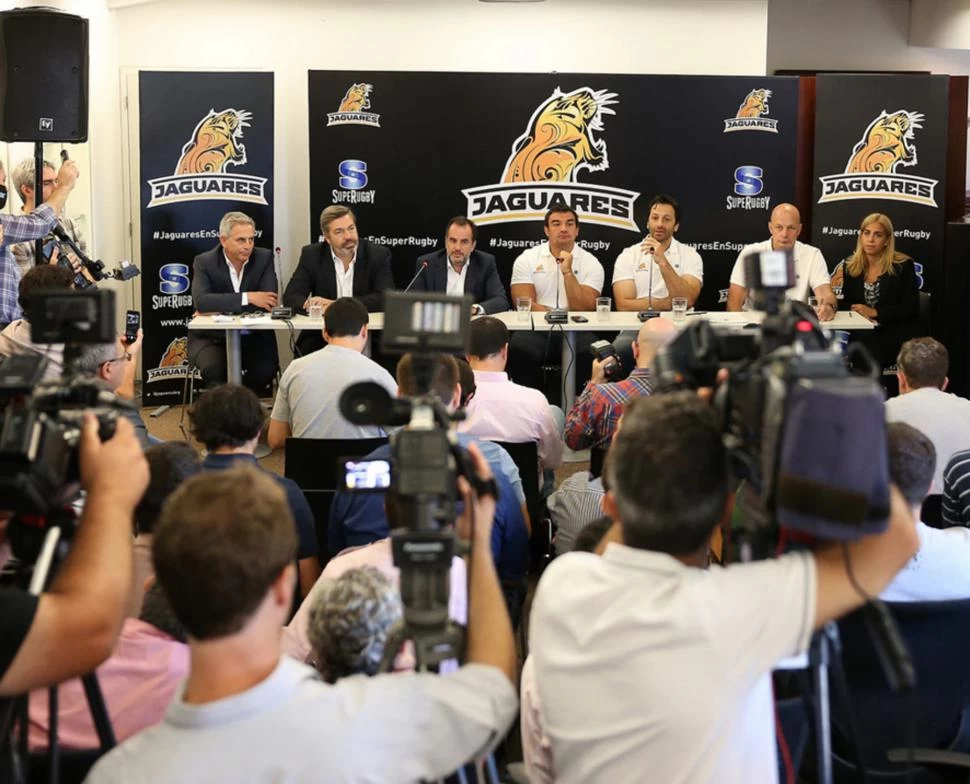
{"x": 751, "y": 114}
{"x": 560, "y": 141}
{"x": 200, "y": 173}
{"x": 351, "y": 109}
{"x": 174, "y": 363}
{"x": 888, "y": 143}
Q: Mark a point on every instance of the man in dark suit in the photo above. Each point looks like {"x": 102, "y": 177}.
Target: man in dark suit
{"x": 341, "y": 266}
{"x": 460, "y": 269}
{"x": 235, "y": 277}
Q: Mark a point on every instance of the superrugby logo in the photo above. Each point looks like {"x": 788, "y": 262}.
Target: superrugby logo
{"x": 751, "y": 114}
{"x": 749, "y": 182}
{"x": 542, "y": 171}
{"x": 887, "y": 143}
{"x": 351, "y": 109}
{"x": 352, "y": 179}
{"x": 200, "y": 173}
{"x": 173, "y": 285}
{"x": 174, "y": 363}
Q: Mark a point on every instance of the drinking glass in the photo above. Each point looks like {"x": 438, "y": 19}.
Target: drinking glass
{"x": 523, "y": 305}
{"x": 679, "y": 307}
{"x": 603, "y": 306}
{"x": 316, "y": 311}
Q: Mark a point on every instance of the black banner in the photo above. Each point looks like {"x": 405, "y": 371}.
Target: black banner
{"x": 407, "y": 151}
{"x": 880, "y": 146}
{"x": 206, "y": 148}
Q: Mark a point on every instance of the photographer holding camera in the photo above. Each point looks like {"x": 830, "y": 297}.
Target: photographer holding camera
{"x": 71, "y": 628}
{"x": 643, "y": 660}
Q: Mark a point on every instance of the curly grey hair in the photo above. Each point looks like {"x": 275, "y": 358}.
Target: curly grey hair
{"x": 350, "y": 621}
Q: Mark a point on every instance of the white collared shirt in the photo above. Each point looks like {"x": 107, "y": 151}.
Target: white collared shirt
{"x": 537, "y": 267}
{"x": 810, "y": 270}
{"x": 236, "y": 278}
{"x": 345, "y": 280}
{"x": 456, "y": 280}
{"x": 633, "y": 264}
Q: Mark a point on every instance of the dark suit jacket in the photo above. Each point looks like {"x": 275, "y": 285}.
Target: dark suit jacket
{"x": 315, "y": 275}
{"x": 212, "y": 292}
{"x": 898, "y": 294}
{"x": 481, "y": 280}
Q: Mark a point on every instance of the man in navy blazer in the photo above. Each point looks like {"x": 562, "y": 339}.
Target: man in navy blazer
{"x": 343, "y": 265}
{"x": 234, "y": 277}
{"x": 460, "y": 269}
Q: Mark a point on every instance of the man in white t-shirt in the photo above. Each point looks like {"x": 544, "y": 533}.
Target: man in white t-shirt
{"x": 644, "y": 660}
{"x": 649, "y": 274}
{"x": 940, "y": 570}
{"x": 557, "y": 273}
{"x": 811, "y": 272}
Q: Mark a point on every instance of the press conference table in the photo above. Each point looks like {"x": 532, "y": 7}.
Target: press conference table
{"x": 614, "y": 322}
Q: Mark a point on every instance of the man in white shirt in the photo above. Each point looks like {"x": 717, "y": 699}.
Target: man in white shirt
{"x": 811, "y": 272}
{"x": 557, "y": 273}
{"x": 223, "y": 554}
{"x": 643, "y": 660}
{"x": 502, "y": 410}
{"x": 924, "y": 403}
{"x": 308, "y": 401}
{"x": 940, "y": 570}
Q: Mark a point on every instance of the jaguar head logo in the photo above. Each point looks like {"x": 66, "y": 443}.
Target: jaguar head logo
{"x": 176, "y": 354}
{"x": 357, "y": 98}
{"x": 755, "y": 104}
{"x": 215, "y": 143}
{"x": 559, "y": 141}
{"x": 886, "y": 144}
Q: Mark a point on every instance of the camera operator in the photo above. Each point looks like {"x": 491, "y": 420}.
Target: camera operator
{"x": 223, "y": 554}
{"x": 32, "y": 226}
{"x": 114, "y": 365}
{"x": 646, "y": 662}
{"x": 591, "y": 422}
{"x": 71, "y": 628}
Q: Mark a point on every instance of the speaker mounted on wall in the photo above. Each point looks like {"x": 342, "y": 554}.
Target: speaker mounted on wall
{"x": 43, "y": 76}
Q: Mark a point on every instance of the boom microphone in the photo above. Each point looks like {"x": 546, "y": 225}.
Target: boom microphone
{"x": 424, "y": 266}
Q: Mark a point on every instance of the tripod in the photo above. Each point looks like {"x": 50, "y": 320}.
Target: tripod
{"x": 15, "y": 710}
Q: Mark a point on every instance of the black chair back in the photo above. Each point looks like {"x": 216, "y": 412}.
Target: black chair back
{"x": 525, "y": 455}
{"x": 597, "y": 455}
{"x": 313, "y": 463}
{"x": 932, "y": 511}
{"x": 938, "y": 637}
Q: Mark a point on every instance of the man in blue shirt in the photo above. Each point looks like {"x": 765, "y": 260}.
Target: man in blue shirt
{"x": 227, "y": 421}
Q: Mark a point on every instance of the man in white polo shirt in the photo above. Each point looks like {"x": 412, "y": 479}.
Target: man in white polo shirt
{"x": 557, "y": 273}
{"x": 811, "y": 272}
{"x": 649, "y": 274}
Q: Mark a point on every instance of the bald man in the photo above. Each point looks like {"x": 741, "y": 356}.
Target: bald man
{"x": 592, "y": 421}
{"x": 811, "y": 272}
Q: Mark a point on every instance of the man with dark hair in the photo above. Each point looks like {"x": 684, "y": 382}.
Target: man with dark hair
{"x": 114, "y": 365}
{"x": 308, "y": 400}
{"x": 466, "y": 380}
{"x": 676, "y": 678}
{"x": 460, "y": 269}
{"x": 503, "y": 410}
{"x": 558, "y": 272}
{"x": 340, "y": 265}
{"x": 15, "y": 337}
{"x": 358, "y": 519}
{"x": 924, "y": 403}
{"x": 227, "y": 421}
{"x": 223, "y": 554}
{"x": 940, "y": 570}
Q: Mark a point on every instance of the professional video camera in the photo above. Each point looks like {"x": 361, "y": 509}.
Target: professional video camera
{"x": 803, "y": 428}
{"x": 60, "y": 240}
{"x": 41, "y": 425}
{"x": 425, "y": 464}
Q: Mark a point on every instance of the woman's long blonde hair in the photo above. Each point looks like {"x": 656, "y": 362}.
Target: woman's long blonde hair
{"x": 890, "y": 260}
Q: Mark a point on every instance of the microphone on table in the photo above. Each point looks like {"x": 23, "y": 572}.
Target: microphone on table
{"x": 424, "y": 266}
{"x": 557, "y": 315}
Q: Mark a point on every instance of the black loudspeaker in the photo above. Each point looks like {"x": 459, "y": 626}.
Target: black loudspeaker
{"x": 43, "y": 76}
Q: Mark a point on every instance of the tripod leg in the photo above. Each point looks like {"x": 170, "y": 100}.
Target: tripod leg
{"x": 53, "y": 750}
{"x": 819, "y": 659}
{"x": 99, "y": 712}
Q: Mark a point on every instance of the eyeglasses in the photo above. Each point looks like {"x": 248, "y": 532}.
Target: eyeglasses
{"x": 126, "y": 357}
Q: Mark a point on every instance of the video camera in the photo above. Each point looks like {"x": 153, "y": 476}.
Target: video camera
{"x": 41, "y": 421}
{"x": 425, "y": 464}
{"x": 805, "y": 432}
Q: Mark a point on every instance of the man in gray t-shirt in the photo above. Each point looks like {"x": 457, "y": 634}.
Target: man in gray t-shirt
{"x": 223, "y": 553}
{"x": 308, "y": 400}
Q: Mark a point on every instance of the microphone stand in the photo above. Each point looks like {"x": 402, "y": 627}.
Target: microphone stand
{"x": 557, "y": 315}
{"x": 649, "y": 313}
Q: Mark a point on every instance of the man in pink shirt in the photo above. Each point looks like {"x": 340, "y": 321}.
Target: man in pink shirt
{"x": 138, "y": 681}
{"x": 503, "y": 410}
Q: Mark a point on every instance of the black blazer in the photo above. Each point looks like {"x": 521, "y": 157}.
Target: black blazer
{"x": 212, "y": 287}
{"x": 898, "y": 294}
{"x": 481, "y": 280}
{"x": 315, "y": 275}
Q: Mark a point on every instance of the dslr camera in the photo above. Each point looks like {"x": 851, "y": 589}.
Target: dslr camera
{"x": 604, "y": 352}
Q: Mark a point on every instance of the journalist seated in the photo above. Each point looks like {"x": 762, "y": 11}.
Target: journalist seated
{"x": 223, "y": 553}
{"x": 357, "y": 519}
{"x": 16, "y": 338}
{"x": 591, "y": 422}
{"x": 643, "y": 660}
{"x": 940, "y": 570}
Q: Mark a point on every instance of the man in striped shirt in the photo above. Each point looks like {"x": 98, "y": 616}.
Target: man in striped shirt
{"x": 592, "y": 420}
{"x": 956, "y": 490}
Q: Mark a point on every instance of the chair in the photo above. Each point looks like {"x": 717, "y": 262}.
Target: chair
{"x": 525, "y": 455}
{"x": 932, "y": 510}
{"x": 188, "y": 396}
{"x": 597, "y": 455}
{"x": 937, "y": 635}
{"x": 312, "y": 463}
